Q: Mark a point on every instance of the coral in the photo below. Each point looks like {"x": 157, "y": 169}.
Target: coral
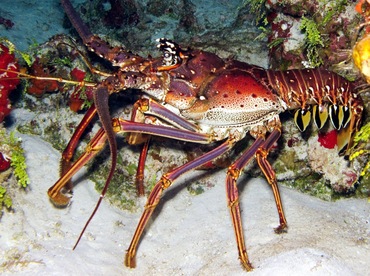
{"x": 81, "y": 96}
{"x": 121, "y": 12}
{"x": 18, "y": 162}
{"x": 328, "y": 140}
{"x": 336, "y": 171}
{"x": 39, "y": 87}
{"x": 308, "y": 162}
{"x": 11, "y": 147}
{"x": 313, "y": 41}
{"x": 327, "y": 28}
{"x": 8, "y": 78}
{"x": 5, "y": 199}
{"x": 361, "y": 56}
{"x": 361, "y": 148}
{"x": 54, "y": 67}
{"x": 257, "y": 8}
{"x": 4, "y": 162}
{"x": 361, "y": 50}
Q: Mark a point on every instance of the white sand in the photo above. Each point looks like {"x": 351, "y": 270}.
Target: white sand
{"x": 191, "y": 235}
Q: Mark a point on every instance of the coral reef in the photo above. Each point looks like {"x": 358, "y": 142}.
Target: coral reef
{"x": 39, "y": 87}
{"x": 313, "y": 32}
{"x": 60, "y": 58}
{"x": 328, "y": 140}
{"x": 187, "y": 22}
{"x": 310, "y": 34}
{"x": 311, "y": 164}
{"x": 8, "y": 79}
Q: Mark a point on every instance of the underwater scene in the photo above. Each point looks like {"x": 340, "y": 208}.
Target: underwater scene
{"x": 184, "y": 137}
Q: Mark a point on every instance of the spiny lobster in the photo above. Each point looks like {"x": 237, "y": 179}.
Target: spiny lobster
{"x": 195, "y": 96}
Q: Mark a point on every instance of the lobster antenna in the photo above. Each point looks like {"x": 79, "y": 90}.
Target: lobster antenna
{"x": 101, "y": 97}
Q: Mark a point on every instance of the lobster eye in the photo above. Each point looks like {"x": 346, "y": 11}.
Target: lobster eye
{"x": 169, "y": 59}
{"x": 167, "y": 56}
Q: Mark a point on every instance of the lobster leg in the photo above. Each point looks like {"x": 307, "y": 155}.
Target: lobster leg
{"x": 268, "y": 171}
{"x": 165, "y": 182}
{"x": 143, "y": 108}
{"x": 259, "y": 146}
{"x": 101, "y": 106}
{"x": 233, "y": 174}
{"x": 68, "y": 152}
{"x": 139, "y": 178}
{"x": 98, "y": 141}
{"x": 118, "y": 126}
{"x": 56, "y": 193}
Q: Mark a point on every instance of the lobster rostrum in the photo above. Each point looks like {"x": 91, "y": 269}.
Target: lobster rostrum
{"x": 195, "y": 96}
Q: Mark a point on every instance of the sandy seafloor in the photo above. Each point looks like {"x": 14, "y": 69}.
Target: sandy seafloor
{"x": 190, "y": 235}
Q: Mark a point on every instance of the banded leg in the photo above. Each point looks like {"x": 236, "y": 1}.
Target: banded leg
{"x": 165, "y": 182}
{"x": 65, "y": 162}
{"x": 144, "y": 109}
{"x": 268, "y": 171}
{"x": 233, "y": 174}
{"x": 56, "y": 192}
{"x": 139, "y": 178}
{"x": 259, "y": 146}
{"x": 98, "y": 142}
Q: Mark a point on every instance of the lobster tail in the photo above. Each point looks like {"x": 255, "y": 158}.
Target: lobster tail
{"x": 345, "y": 135}
{"x": 319, "y": 94}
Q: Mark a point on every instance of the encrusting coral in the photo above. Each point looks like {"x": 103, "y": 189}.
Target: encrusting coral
{"x": 8, "y": 79}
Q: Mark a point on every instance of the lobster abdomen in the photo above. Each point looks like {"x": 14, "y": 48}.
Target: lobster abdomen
{"x": 319, "y": 94}
{"x": 328, "y": 93}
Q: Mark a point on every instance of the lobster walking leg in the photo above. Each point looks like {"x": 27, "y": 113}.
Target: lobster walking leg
{"x": 139, "y": 178}
{"x": 65, "y": 163}
{"x": 56, "y": 193}
{"x": 118, "y": 126}
{"x": 165, "y": 182}
{"x": 141, "y": 110}
{"x": 268, "y": 171}
{"x": 233, "y": 174}
{"x": 259, "y": 148}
